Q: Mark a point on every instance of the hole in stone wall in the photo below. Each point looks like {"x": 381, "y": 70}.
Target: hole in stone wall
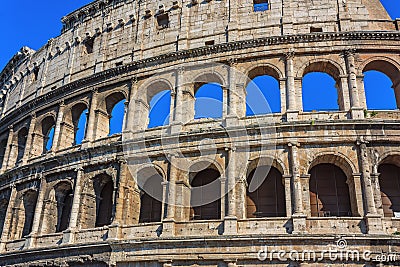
{"x": 211, "y": 42}
{"x": 315, "y": 29}
{"x": 163, "y": 21}
{"x": 3, "y": 212}
{"x": 260, "y": 5}
{"x": 80, "y": 125}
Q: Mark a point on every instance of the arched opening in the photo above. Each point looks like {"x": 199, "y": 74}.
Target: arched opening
{"x": 21, "y": 142}
{"x": 29, "y": 205}
{"x": 3, "y": 213}
{"x": 268, "y": 200}
{"x": 151, "y": 200}
{"x": 104, "y": 188}
{"x": 321, "y": 87}
{"x": 205, "y": 198}
{"x": 79, "y": 119}
{"x": 319, "y": 92}
{"x": 3, "y": 147}
{"x": 64, "y": 196}
{"x": 329, "y": 192}
{"x": 382, "y": 85}
{"x": 160, "y": 104}
{"x": 48, "y": 126}
{"x": 208, "y": 101}
{"x": 115, "y": 105}
{"x": 263, "y": 92}
{"x": 389, "y": 181}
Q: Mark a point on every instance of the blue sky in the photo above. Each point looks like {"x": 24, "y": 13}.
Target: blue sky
{"x": 33, "y": 23}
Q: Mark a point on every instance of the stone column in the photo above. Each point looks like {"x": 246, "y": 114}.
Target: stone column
{"x": 57, "y": 130}
{"x": 7, "y": 153}
{"x": 292, "y": 111}
{"x": 169, "y": 221}
{"x": 7, "y": 221}
{"x": 357, "y": 112}
{"x": 29, "y": 139}
{"x": 299, "y": 218}
{"x": 373, "y": 219}
{"x": 288, "y": 194}
{"x": 282, "y": 89}
{"x": 377, "y": 192}
{"x": 130, "y": 112}
{"x": 90, "y": 131}
{"x": 231, "y": 183}
{"x": 358, "y": 208}
{"x": 69, "y": 235}
{"x": 223, "y": 184}
{"x": 296, "y": 181}
{"x": 225, "y": 101}
{"x": 176, "y": 114}
{"x": 31, "y": 239}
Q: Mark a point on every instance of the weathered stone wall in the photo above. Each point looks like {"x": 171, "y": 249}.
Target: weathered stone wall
{"x": 134, "y": 58}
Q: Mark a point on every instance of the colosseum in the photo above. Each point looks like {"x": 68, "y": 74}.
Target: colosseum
{"x": 140, "y": 196}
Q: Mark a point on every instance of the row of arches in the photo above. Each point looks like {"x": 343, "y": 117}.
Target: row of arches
{"x": 322, "y": 89}
{"x": 330, "y": 195}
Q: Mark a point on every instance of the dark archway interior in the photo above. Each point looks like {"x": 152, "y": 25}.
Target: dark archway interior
{"x": 150, "y": 201}
{"x": 329, "y": 192}
{"x": 104, "y": 208}
{"x": 29, "y": 201}
{"x": 22, "y": 136}
{"x": 389, "y": 181}
{"x": 268, "y": 200}
{"x": 64, "y": 196}
{"x": 201, "y": 193}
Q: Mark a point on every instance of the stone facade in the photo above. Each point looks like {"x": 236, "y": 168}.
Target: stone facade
{"x": 82, "y": 205}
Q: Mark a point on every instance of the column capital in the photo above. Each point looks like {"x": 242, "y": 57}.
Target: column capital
{"x": 289, "y": 55}
{"x": 294, "y": 144}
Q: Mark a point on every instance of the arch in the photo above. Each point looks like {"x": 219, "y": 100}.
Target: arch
{"x": 267, "y": 161}
{"x": 104, "y": 190}
{"x": 386, "y": 65}
{"x": 263, "y": 94}
{"x": 207, "y": 78}
{"x": 23, "y": 213}
{"x": 322, "y": 99}
{"x": 208, "y": 100}
{"x": 151, "y": 199}
{"x": 22, "y": 136}
{"x": 57, "y": 207}
{"x": 47, "y": 130}
{"x": 205, "y": 195}
{"x": 327, "y": 66}
{"x": 268, "y": 200}
{"x": 79, "y": 114}
{"x": 385, "y": 68}
{"x": 160, "y": 106}
{"x": 336, "y": 158}
{"x": 329, "y": 192}
{"x": 153, "y": 87}
{"x": 111, "y": 119}
{"x": 263, "y": 69}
